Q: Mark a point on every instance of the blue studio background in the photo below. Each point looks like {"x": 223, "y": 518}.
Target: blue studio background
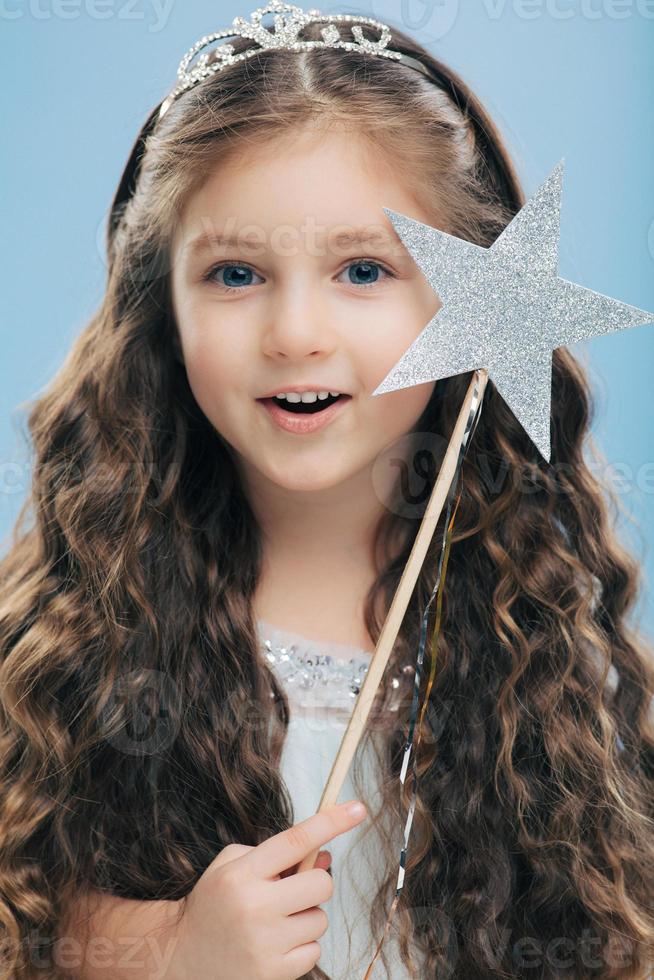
{"x": 562, "y": 78}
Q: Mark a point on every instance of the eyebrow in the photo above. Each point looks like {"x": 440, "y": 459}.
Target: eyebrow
{"x": 210, "y": 241}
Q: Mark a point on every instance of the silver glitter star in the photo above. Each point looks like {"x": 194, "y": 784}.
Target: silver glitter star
{"x": 504, "y": 309}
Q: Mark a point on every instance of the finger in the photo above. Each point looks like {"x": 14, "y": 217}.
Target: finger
{"x": 284, "y": 850}
{"x": 302, "y": 959}
{"x": 323, "y": 860}
{"x": 303, "y": 927}
{"x": 301, "y": 892}
{"x": 230, "y": 853}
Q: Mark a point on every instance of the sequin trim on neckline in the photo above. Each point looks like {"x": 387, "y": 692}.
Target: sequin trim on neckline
{"x": 316, "y": 673}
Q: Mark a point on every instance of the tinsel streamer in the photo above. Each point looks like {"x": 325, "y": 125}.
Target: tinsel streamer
{"x": 437, "y": 592}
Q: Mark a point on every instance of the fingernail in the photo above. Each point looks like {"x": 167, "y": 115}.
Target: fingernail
{"x": 356, "y": 809}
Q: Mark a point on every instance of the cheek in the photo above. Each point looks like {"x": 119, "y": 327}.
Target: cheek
{"x": 403, "y": 319}
{"x": 209, "y": 377}
{"x": 214, "y": 357}
{"x": 396, "y": 412}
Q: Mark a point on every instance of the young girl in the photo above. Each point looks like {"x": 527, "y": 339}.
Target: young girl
{"x": 168, "y": 717}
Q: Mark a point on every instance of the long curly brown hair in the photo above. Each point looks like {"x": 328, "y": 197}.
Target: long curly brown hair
{"x": 532, "y": 852}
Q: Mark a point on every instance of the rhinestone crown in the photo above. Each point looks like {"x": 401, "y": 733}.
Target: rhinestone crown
{"x": 289, "y": 21}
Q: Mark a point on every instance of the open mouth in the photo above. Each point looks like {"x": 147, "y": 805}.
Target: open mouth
{"x": 304, "y": 408}
{"x": 302, "y": 418}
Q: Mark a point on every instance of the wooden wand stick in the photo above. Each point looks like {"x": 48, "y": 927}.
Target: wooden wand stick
{"x": 393, "y": 621}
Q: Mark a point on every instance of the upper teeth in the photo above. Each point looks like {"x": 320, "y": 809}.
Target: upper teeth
{"x": 306, "y": 396}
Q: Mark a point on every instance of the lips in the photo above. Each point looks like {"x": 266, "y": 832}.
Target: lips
{"x": 300, "y": 423}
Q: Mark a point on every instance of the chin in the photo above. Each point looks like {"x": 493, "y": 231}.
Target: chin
{"x": 304, "y": 482}
{"x": 297, "y": 472}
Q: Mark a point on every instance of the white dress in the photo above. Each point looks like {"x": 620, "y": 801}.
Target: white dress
{"x": 322, "y": 680}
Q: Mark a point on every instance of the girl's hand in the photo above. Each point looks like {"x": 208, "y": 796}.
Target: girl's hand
{"x": 250, "y": 916}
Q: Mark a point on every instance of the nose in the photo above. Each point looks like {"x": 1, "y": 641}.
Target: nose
{"x": 298, "y": 324}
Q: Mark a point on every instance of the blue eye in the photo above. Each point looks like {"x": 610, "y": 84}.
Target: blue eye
{"x": 240, "y": 274}
{"x": 367, "y": 265}
{"x": 239, "y": 277}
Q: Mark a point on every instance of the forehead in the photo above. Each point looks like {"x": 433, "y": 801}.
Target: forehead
{"x": 330, "y": 189}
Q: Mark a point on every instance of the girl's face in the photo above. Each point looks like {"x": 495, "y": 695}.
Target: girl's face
{"x": 293, "y": 303}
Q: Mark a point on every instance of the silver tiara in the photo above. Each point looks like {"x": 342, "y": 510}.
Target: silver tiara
{"x": 289, "y": 22}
